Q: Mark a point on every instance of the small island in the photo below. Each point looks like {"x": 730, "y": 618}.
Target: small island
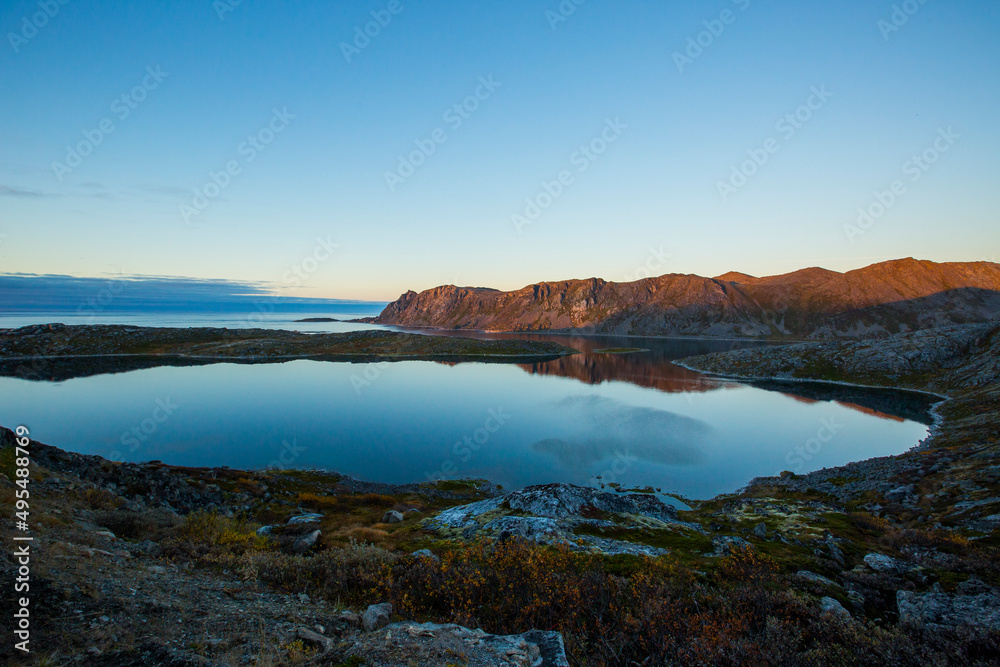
{"x": 318, "y": 319}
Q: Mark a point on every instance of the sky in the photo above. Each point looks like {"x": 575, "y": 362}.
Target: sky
{"x": 356, "y": 150}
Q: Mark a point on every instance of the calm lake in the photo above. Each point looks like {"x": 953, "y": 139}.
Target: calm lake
{"x": 634, "y": 418}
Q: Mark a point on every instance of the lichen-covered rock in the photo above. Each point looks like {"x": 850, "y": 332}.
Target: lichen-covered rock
{"x": 556, "y": 513}
{"x": 938, "y": 610}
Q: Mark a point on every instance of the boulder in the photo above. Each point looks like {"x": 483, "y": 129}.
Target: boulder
{"x": 831, "y": 606}
{"x": 376, "y": 616}
{"x": 900, "y": 493}
{"x": 305, "y": 518}
{"x": 885, "y": 564}
{"x": 392, "y": 516}
{"x": 306, "y": 542}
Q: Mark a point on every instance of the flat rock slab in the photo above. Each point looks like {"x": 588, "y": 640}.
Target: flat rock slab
{"x": 421, "y": 644}
{"x": 552, "y": 513}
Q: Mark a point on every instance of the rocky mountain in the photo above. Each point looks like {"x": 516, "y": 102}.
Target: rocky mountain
{"x": 875, "y": 301}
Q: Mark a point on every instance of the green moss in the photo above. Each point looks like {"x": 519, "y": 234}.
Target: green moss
{"x": 467, "y": 485}
{"x": 7, "y": 456}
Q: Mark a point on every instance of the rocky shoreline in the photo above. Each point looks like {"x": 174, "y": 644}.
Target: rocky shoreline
{"x": 961, "y": 365}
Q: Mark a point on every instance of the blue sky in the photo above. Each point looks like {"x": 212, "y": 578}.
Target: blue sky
{"x": 315, "y": 199}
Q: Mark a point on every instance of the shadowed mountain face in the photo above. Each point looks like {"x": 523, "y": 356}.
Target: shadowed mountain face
{"x": 875, "y": 301}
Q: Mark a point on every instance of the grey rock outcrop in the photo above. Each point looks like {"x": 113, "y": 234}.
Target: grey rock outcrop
{"x": 564, "y": 514}
{"x": 885, "y": 564}
{"x": 935, "y": 609}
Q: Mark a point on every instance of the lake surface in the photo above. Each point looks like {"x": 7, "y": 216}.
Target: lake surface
{"x": 633, "y": 418}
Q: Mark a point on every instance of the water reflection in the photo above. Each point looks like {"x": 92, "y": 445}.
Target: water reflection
{"x": 648, "y": 362}
{"x": 616, "y": 430}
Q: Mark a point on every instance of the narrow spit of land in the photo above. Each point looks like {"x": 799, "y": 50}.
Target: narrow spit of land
{"x": 57, "y": 351}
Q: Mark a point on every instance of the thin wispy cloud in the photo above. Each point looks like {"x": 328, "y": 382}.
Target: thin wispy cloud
{"x": 8, "y": 191}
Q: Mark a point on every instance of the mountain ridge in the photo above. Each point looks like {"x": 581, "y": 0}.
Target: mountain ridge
{"x": 873, "y": 301}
